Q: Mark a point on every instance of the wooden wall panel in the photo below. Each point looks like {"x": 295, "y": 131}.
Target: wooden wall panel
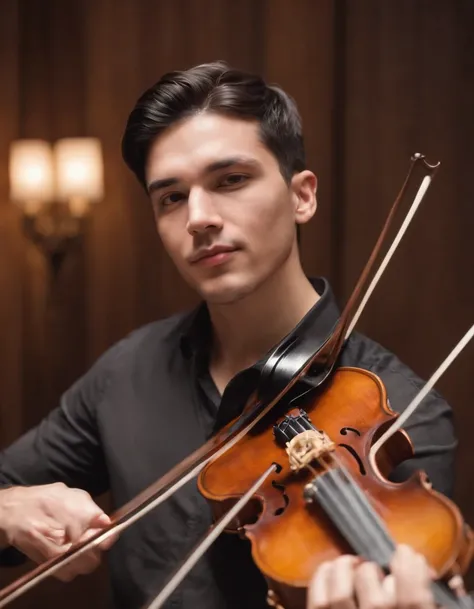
{"x": 111, "y": 68}
{"x": 296, "y": 57}
{"x": 11, "y": 243}
{"x": 414, "y": 93}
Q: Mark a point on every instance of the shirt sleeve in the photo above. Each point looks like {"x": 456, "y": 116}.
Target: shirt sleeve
{"x": 64, "y": 447}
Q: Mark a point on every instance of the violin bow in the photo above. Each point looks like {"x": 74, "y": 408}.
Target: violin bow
{"x": 325, "y": 358}
{"x": 420, "y": 396}
{"x": 218, "y": 527}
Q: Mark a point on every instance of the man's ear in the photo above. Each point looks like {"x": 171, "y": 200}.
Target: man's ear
{"x": 304, "y": 185}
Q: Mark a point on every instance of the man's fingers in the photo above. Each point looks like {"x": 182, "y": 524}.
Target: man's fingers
{"x": 90, "y": 560}
{"x": 79, "y": 513}
{"x": 84, "y": 564}
{"x": 389, "y": 588}
{"x": 109, "y": 542}
{"x": 412, "y": 579}
{"x": 42, "y": 525}
{"x": 99, "y": 521}
{"x": 341, "y": 583}
{"x": 318, "y": 597}
{"x": 103, "y": 521}
{"x": 38, "y": 547}
{"x": 103, "y": 545}
{"x": 369, "y": 589}
{"x": 44, "y": 521}
{"x": 344, "y": 583}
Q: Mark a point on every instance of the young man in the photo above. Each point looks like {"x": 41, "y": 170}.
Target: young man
{"x": 221, "y": 155}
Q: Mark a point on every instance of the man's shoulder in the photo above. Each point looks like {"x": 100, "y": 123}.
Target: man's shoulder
{"x": 362, "y": 351}
{"x": 401, "y": 381}
{"x": 160, "y": 335}
{"x": 150, "y": 343}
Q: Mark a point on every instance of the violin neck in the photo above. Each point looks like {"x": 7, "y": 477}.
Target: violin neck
{"x": 350, "y": 511}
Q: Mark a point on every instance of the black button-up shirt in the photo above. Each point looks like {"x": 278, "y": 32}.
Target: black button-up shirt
{"x": 150, "y": 401}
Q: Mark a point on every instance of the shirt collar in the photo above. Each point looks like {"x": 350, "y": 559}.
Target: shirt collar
{"x": 316, "y": 324}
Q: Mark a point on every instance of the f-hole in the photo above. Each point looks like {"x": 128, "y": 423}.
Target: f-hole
{"x": 344, "y": 432}
{"x": 281, "y": 487}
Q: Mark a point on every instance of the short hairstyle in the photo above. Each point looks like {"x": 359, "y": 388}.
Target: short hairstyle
{"x": 218, "y": 88}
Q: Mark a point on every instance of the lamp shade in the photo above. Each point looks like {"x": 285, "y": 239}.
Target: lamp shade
{"x": 31, "y": 172}
{"x": 79, "y": 169}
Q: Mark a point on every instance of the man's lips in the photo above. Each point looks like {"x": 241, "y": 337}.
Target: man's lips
{"x": 217, "y": 252}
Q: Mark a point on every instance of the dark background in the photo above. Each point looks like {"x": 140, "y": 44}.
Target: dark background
{"x": 375, "y": 82}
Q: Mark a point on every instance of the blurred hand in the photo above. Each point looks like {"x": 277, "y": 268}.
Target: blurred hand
{"x": 349, "y": 583}
{"x": 44, "y": 521}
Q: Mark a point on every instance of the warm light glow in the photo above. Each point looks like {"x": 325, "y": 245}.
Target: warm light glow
{"x": 79, "y": 171}
{"x": 31, "y": 172}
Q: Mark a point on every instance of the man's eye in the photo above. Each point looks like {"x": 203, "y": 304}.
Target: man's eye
{"x": 233, "y": 179}
{"x": 171, "y": 198}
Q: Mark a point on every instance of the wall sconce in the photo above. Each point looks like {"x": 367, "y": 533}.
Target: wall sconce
{"x": 55, "y": 187}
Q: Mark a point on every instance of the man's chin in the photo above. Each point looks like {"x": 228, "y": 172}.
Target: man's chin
{"x": 224, "y": 291}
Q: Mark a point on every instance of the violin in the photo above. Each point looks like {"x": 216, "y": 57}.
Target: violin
{"x": 305, "y": 477}
{"x": 325, "y": 498}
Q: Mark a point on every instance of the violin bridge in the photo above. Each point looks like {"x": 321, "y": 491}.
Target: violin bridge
{"x": 308, "y": 446}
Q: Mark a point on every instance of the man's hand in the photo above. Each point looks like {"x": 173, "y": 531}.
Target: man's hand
{"x": 349, "y": 583}
{"x": 44, "y": 521}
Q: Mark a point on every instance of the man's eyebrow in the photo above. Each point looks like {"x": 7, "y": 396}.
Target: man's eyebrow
{"x": 216, "y": 166}
{"x": 230, "y": 161}
{"x": 159, "y": 184}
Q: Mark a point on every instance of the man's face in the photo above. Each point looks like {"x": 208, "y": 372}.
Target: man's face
{"x": 223, "y": 210}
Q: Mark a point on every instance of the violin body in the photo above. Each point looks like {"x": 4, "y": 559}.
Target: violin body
{"x": 290, "y": 537}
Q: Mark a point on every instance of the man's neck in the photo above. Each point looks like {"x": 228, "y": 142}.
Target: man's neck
{"x": 244, "y": 331}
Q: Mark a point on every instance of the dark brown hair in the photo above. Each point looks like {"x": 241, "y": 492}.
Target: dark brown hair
{"x": 215, "y": 87}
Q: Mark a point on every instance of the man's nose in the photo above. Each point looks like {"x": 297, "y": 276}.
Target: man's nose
{"x": 202, "y": 212}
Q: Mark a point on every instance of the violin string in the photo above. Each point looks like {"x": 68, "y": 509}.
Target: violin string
{"x": 208, "y": 540}
{"x": 341, "y": 485}
{"x": 397, "y": 424}
{"x": 374, "y": 525}
{"x": 342, "y": 515}
{"x": 366, "y": 546}
{"x": 336, "y": 489}
{"x": 445, "y": 598}
{"x": 366, "y": 518}
{"x": 370, "y": 523}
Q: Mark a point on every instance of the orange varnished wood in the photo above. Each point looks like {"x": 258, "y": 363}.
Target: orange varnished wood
{"x": 288, "y": 548}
